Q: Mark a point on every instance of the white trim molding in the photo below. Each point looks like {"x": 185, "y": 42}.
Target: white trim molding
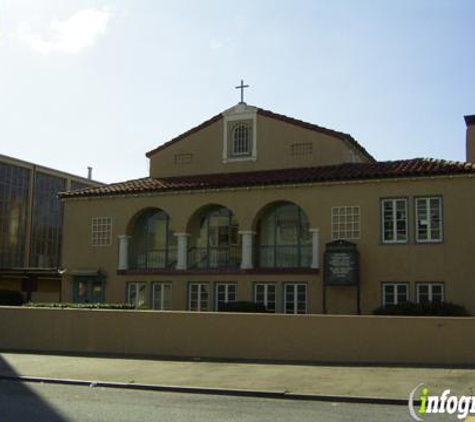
{"x": 243, "y": 112}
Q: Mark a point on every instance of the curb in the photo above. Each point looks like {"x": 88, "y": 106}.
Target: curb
{"x": 270, "y": 394}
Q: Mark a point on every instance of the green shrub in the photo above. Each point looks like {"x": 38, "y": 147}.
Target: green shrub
{"x": 64, "y": 305}
{"x": 11, "y": 298}
{"x": 423, "y": 309}
{"x": 242, "y": 306}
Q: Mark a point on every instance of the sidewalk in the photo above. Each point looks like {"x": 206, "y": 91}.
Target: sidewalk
{"x": 372, "y": 382}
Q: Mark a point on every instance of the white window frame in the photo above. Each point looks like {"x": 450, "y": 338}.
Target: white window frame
{"x": 348, "y": 216}
{"x": 163, "y": 286}
{"x": 101, "y": 231}
{"x": 396, "y": 286}
{"x": 200, "y": 286}
{"x": 295, "y": 287}
{"x": 227, "y": 293}
{"x": 430, "y": 238}
{"x": 394, "y": 220}
{"x": 430, "y": 286}
{"x": 266, "y": 302}
{"x": 137, "y": 286}
{"x": 239, "y": 113}
{"x": 241, "y": 147}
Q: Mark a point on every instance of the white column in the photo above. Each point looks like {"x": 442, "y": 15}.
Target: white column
{"x": 182, "y": 251}
{"x": 315, "y": 248}
{"x": 246, "y": 253}
{"x": 123, "y": 252}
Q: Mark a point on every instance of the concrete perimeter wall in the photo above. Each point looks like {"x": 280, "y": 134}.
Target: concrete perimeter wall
{"x": 320, "y": 338}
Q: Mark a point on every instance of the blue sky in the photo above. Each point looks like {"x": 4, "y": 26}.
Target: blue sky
{"x": 101, "y": 82}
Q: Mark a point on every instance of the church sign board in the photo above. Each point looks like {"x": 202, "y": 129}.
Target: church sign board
{"x": 341, "y": 264}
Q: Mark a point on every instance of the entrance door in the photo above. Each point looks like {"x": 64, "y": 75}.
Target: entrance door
{"x": 89, "y": 289}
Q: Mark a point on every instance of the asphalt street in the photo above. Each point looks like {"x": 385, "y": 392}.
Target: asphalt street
{"x": 54, "y": 403}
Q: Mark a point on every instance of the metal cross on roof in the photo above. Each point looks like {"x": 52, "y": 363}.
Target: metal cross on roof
{"x": 241, "y": 87}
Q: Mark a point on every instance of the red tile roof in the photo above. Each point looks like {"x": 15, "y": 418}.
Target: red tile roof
{"x": 272, "y": 115}
{"x": 418, "y": 167}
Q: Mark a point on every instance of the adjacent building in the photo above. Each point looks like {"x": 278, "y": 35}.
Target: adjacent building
{"x": 31, "y": 220}
{"x": 252, "y": 205}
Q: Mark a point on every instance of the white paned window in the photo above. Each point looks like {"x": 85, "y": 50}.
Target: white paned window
{"x": 395, "y": 293}
{"x": 225, "y": 292}
{"x": 198, "y": 297}
{"x": 303, "y": 149}
{"x": 430, "y": 292}
{"x": 162, "y": 296}
{"x": 136, "y": 293}
{"x": 295, "y": 298}
{"x": 345, "y": 222}
{"x": 264, "y": 293}
{"x": 429, "y": 223}
{"x": 394, "y": 216}
{"x": 241, "y": 135}
{"x": 101, "y": 231}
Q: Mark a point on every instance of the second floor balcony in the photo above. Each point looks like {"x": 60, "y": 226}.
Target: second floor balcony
{"x": 282, "y": 240}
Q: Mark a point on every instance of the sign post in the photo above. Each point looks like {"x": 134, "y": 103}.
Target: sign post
{"x": 342, "y": 268}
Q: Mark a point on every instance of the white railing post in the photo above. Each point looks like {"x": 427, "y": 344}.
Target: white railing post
{"x": 247, "y": 247}
{"x": 123, "y": 252}
{"x": 182, "y": 251}
{"x": 315, "y": 248}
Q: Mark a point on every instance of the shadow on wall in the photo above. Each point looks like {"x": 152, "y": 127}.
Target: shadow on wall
{"x": 18, "y": 402}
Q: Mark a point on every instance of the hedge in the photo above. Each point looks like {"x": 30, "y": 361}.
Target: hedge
{"x": 423, "y": 309}
{"x": 242, "y": 306}
{"x": 64, "y": 305}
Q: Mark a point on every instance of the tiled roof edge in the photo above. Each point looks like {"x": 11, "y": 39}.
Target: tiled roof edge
{"x": 418, "y": 167}
{"x": 185, "y": 134}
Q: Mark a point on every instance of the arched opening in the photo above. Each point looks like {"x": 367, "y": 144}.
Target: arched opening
{"x": 283, "y": 237}
{"x": 215, "y": 240}
{"x": 152, "y": 244}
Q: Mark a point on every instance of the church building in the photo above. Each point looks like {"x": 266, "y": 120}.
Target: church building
{"x": 256, "y": 206}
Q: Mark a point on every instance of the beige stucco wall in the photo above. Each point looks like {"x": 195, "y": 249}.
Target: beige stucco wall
{"x": 450, "y": 262}
{"x": 274, "y": 140}
{"x": 349, "y": 339}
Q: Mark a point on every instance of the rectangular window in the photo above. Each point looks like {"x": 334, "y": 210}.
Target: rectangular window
{"x": 345, "y": 222}
{"x": 198, "y": 297}
{"x": 162, "y": 296}
{"x": 136, "y": 293}
{"x": 303, "y": 149}
{"x": 295, "y": 298}
{"x": 394, "y": 216}
{"x": 395, "y": 293}
{"x": 180, "y": 159}
{"x": 429, "y": 219}
{"x": 46, "y": 221}
{"x": 264, "y": 293}
{"x": 101, "y": 231}
{"x": 430, "y": 292}
{"x": 14, "y": 193}
{"x": 88, "y": 289}
{"x": 225, "y": 292}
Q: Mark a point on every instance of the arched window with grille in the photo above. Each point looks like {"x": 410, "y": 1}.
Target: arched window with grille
{"x": 284, "y": 239}
{"x": 241, "y": 139}
{"x": 152, "y": 244}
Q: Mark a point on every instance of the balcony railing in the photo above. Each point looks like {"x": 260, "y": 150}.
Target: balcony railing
{"x": 214, "y": 257}
{"x": 159, "y": 258}
{"x": 285, "y": 256}
{"x": 268, "y": 256}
